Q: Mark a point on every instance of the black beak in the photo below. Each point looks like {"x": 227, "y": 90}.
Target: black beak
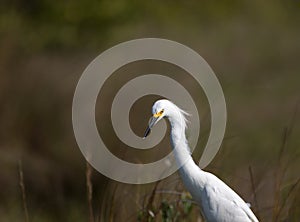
{"x": 152, "y": 122}
{"x": 147, "y": 132}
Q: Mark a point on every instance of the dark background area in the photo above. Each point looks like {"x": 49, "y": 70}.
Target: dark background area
{"x": 254, "y": 49}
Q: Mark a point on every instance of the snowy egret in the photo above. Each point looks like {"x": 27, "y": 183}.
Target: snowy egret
{"x": 218, "y": 201}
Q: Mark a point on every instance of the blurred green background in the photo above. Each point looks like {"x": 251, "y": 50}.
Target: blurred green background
{"x": 254, "y": 49}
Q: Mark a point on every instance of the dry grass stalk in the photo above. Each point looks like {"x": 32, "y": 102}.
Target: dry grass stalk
{"x": 280, "y": 172}
{"x": 254, "y": 192}
{"x": 89, "y": 187}
{"x": 22, "y": 187}
{"x": 112, "y": 205}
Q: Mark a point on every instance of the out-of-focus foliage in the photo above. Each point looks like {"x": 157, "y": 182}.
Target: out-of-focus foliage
{"x": 253, "y": 46}
{"x": 37, "y": 25}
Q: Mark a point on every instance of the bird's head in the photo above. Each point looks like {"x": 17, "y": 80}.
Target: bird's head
{"x": 163, "y": 108}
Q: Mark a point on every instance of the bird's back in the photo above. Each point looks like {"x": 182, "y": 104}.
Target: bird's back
{"x": 221, "y": 204}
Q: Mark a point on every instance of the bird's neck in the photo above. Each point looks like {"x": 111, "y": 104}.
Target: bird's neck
{"x": 178, "y": 141}
{"x": 189, "y": 171}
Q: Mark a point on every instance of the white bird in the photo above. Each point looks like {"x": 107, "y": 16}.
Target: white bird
{"x": 218, "y": 202}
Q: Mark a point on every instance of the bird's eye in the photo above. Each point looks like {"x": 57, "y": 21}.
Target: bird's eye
{"x": 162, "y": 111}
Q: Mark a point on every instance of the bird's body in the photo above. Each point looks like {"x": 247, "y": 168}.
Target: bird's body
{"x": 218, "y": 202}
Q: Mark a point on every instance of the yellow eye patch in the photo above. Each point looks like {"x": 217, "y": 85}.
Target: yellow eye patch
{"x": 156, "y": 115}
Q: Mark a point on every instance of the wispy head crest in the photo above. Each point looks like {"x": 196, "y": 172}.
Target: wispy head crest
{"x": 184, "y": 114}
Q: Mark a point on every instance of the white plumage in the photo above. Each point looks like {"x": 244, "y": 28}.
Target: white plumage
{"x": 219, "y": 203}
